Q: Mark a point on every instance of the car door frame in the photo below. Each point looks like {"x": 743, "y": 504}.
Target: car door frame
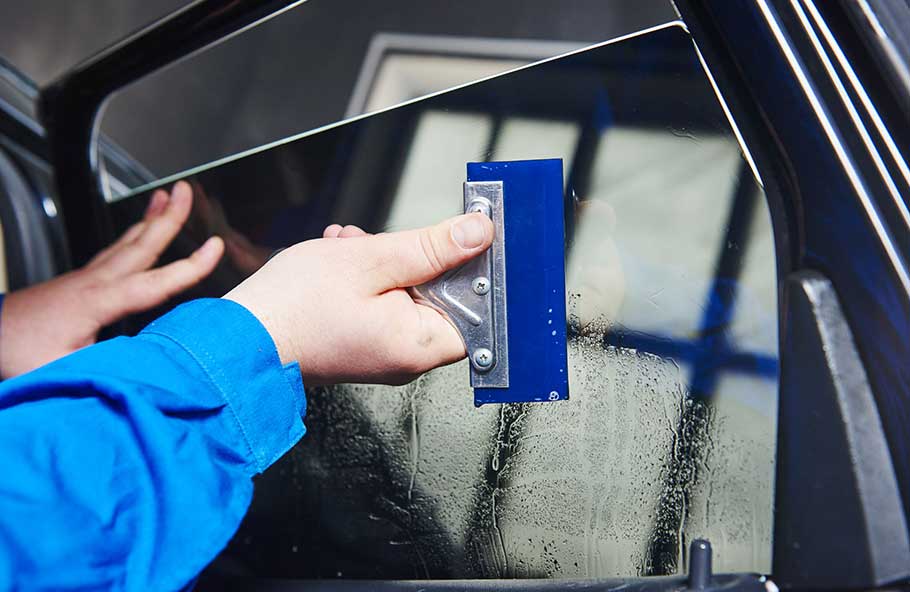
{"x": 852, "y": 299}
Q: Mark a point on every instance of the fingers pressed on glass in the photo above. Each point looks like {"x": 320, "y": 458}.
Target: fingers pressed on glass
{"x": 157, "y": 204}
{"x": 155, "y": 286}
{"x": 126, "y": 238}
{"x": 157, "y": 233}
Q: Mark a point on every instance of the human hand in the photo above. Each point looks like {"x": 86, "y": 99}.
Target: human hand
{"x": 49, "y": 320}
{"x": 338, "y": 305}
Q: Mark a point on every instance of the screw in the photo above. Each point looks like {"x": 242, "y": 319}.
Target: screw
{"x": 482, "y": 358}
{"x": 479, "y": 206}
{"x": 481, "y": 285}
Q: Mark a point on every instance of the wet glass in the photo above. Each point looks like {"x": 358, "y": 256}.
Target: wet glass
{"x": 670, "y": 431}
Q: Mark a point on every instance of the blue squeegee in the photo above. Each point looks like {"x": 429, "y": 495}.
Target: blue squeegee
{"x": 509, "y": 304}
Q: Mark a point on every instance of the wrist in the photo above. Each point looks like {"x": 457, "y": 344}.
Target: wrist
{"x": 273, "y": 326}
{"x": 237, "y": 355}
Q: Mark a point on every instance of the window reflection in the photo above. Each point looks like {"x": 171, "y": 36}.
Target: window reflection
{"x": 670, "y": 431}
{"x": 669, "y": 193}
{"x": 529, "y": 138}
{"x": 431, "y": 165}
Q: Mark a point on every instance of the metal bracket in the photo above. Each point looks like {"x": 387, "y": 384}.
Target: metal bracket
{"x": 473, "y": 297}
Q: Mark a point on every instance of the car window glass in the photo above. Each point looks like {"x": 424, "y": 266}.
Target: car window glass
{"x": 327, "y": 59}
{"x": 669, "y": 434}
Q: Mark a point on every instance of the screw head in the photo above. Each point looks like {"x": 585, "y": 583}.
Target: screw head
{"x": 480, "y": 285}
{"x": 482, "y": 358}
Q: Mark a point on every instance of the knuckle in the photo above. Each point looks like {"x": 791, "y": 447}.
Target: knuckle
{"x": 133, "y": 232}
{"x": 159, "y": 233}
{"x": 431, "y": 252}
{"x": 165, "y": 280}
{"x": 132, "y": 293}
{"x": 403, "y": 354}
{"x": 92, "y": 287}
{"x": 143, "y": 284}
{"x": 417, "y": 362}
{"x": 150, "y": 243}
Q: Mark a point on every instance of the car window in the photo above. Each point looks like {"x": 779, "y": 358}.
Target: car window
{"x": 672, "y": 316}
{"x": 319, "y": 62}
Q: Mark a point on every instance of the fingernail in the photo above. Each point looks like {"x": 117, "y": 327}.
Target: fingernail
{"x": 156, "y": 204}
{"x": 469, "y": 232}
{"x": 181, "y": 192}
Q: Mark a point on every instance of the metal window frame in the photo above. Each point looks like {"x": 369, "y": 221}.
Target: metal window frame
{"x": 69, "y": 106}
{"x": 837, "y": 209}
{"x": 25, "y": 141}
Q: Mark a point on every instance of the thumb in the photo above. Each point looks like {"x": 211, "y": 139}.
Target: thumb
{"x": 412, "y": 257}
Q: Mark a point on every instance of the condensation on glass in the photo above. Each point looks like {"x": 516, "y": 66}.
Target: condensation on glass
{"x": 672, "y": 297}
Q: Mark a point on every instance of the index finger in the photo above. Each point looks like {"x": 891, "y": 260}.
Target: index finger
{"x": 157, "y": 234}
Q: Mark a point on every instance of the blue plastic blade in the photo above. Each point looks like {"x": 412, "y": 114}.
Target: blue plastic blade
{"x": 533, "y": 207}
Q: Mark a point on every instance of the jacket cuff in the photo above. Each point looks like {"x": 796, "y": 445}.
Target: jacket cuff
{"x": 237, "y": 354}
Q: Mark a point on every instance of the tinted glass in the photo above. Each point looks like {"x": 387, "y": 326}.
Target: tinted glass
{"x": 672, "y": 296}
{"x": 299, "y": 70}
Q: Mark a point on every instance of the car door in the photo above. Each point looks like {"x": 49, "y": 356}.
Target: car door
{"x": 689, "y": 221}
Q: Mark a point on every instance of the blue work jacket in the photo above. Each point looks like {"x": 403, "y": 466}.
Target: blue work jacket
{"x": 128, "y": 464}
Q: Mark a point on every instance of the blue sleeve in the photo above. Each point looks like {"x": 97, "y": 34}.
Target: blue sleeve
{"x": 127, "y": 465}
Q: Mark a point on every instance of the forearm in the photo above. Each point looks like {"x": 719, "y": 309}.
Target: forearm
{"x": 129, "y": 462}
